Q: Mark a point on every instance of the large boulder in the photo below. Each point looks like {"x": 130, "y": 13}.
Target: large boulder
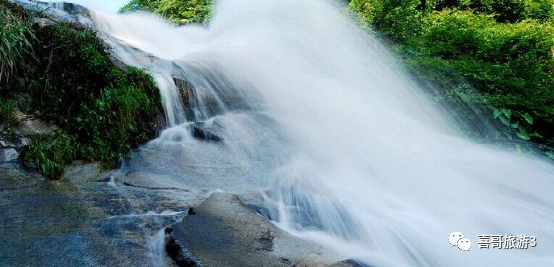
{"x": 225, "y": 232}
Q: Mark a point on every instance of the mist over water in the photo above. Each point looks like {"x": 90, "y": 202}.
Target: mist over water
{"x": 346, "y": 150}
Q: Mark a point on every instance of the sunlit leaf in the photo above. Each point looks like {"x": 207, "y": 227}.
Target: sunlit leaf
{"x": 524, "y": 136}
{"x": 528, "y": 118}
{"x": 497, "y": 113}
{"x": 507, "y": 112}
{"x": 504, "y": 120}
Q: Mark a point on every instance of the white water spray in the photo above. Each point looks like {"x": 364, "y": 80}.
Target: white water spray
{"x": 349, "y": 152}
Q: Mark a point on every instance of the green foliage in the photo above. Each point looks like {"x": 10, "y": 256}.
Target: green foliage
{"x": 15, "y": 33}
{"x": 103, "y": 110}
{"x": 52, "y": 153}
{"x": 521, "y": 122}
{"x": 502, "y": 48}
{"x": 6, "y": 112}
{"x": 502, "y": 10}
{"x": 69, "y": 79}
{"x": 70, "y": 70}
{"x": 509, "y": 64}
{"x": 398, "y": 20}
{"x": 177, "y": 11}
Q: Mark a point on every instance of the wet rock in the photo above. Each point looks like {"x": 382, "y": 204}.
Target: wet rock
{"x": 355, "y": 263}
{"x": 201, "y": 131}
{"x": 188, "y": 96}
{"x": 80, "y": 172}
{"x": 8, "y": 154}
{"x": 75, "y": 9}
{"x": 10, "y": 140}
{"x": 315, "y": 263}
{"x": 74, "y": 13}
{"x": 43, "y": 22}
{"x": 209, "y": 94}
{"x": 14, "y": 176}
{"x": 225, "y": 232}
{"x": 59, "y": 223}
{"x": 14, "y": 139}
{"x": 266, "y": 241}
{"x": 177, "y": 253}
{"x": 24, "y": 141}
{"x": 29, "y": 126}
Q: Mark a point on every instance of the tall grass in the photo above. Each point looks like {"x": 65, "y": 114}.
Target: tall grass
{"x": 15, "y": 33}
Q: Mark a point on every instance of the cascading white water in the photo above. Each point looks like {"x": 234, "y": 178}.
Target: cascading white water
{"x": 347, "y": 150}
{"x": 55, "y": 4}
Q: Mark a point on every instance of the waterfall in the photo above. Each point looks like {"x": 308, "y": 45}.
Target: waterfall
{"x": 56, "y": 4}
{"x": 306, "y": 108}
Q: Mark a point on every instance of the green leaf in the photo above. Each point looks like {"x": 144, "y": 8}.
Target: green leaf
{"x": 515, "y": 125}
{"x": 528, "y": 118}
{"x": 523, "y": 135}
{"x": 507, "y": 112}
{"x": 497, "y": 113}
{"x": 550, "y": 154}
{"x": 504, "y": 120}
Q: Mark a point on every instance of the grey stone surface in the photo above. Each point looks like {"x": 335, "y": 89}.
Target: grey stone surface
{"x": 59, "y": 223}
{"x": 8, "y": 154}
{"x": 80, "y": 172}
{"x": 225, "y": 232}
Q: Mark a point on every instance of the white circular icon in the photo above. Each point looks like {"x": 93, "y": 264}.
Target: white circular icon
{"x": 454, "y": 237}
{"x": 464, "y": 244}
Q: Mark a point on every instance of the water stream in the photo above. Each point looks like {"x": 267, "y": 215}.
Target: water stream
{"x": 315, "y": 115}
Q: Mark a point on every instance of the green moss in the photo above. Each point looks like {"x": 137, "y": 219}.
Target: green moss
{"x": 177, "y": 11}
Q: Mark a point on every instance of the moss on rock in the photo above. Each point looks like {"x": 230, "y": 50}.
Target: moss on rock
{"x": 70, "y": 80}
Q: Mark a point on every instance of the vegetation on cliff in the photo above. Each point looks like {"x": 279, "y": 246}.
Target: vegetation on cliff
{"x": 64, "y": 75}
{"x": 177, "y": 11}
{"x": 502, "y": 49}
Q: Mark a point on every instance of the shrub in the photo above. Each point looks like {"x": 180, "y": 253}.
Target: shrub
{"x": 504, "y": 49}
{"x": 510, "y": 64}
{"x": 177, "y": 11}
{"x": 104, "y": 110}
{"x": 70, "y": 80}
{"x": 502, "y": 10}
{"x": 398, "y": 20}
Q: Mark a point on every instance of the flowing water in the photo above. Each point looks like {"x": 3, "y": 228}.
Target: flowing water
{"x": 309, "y": 111}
